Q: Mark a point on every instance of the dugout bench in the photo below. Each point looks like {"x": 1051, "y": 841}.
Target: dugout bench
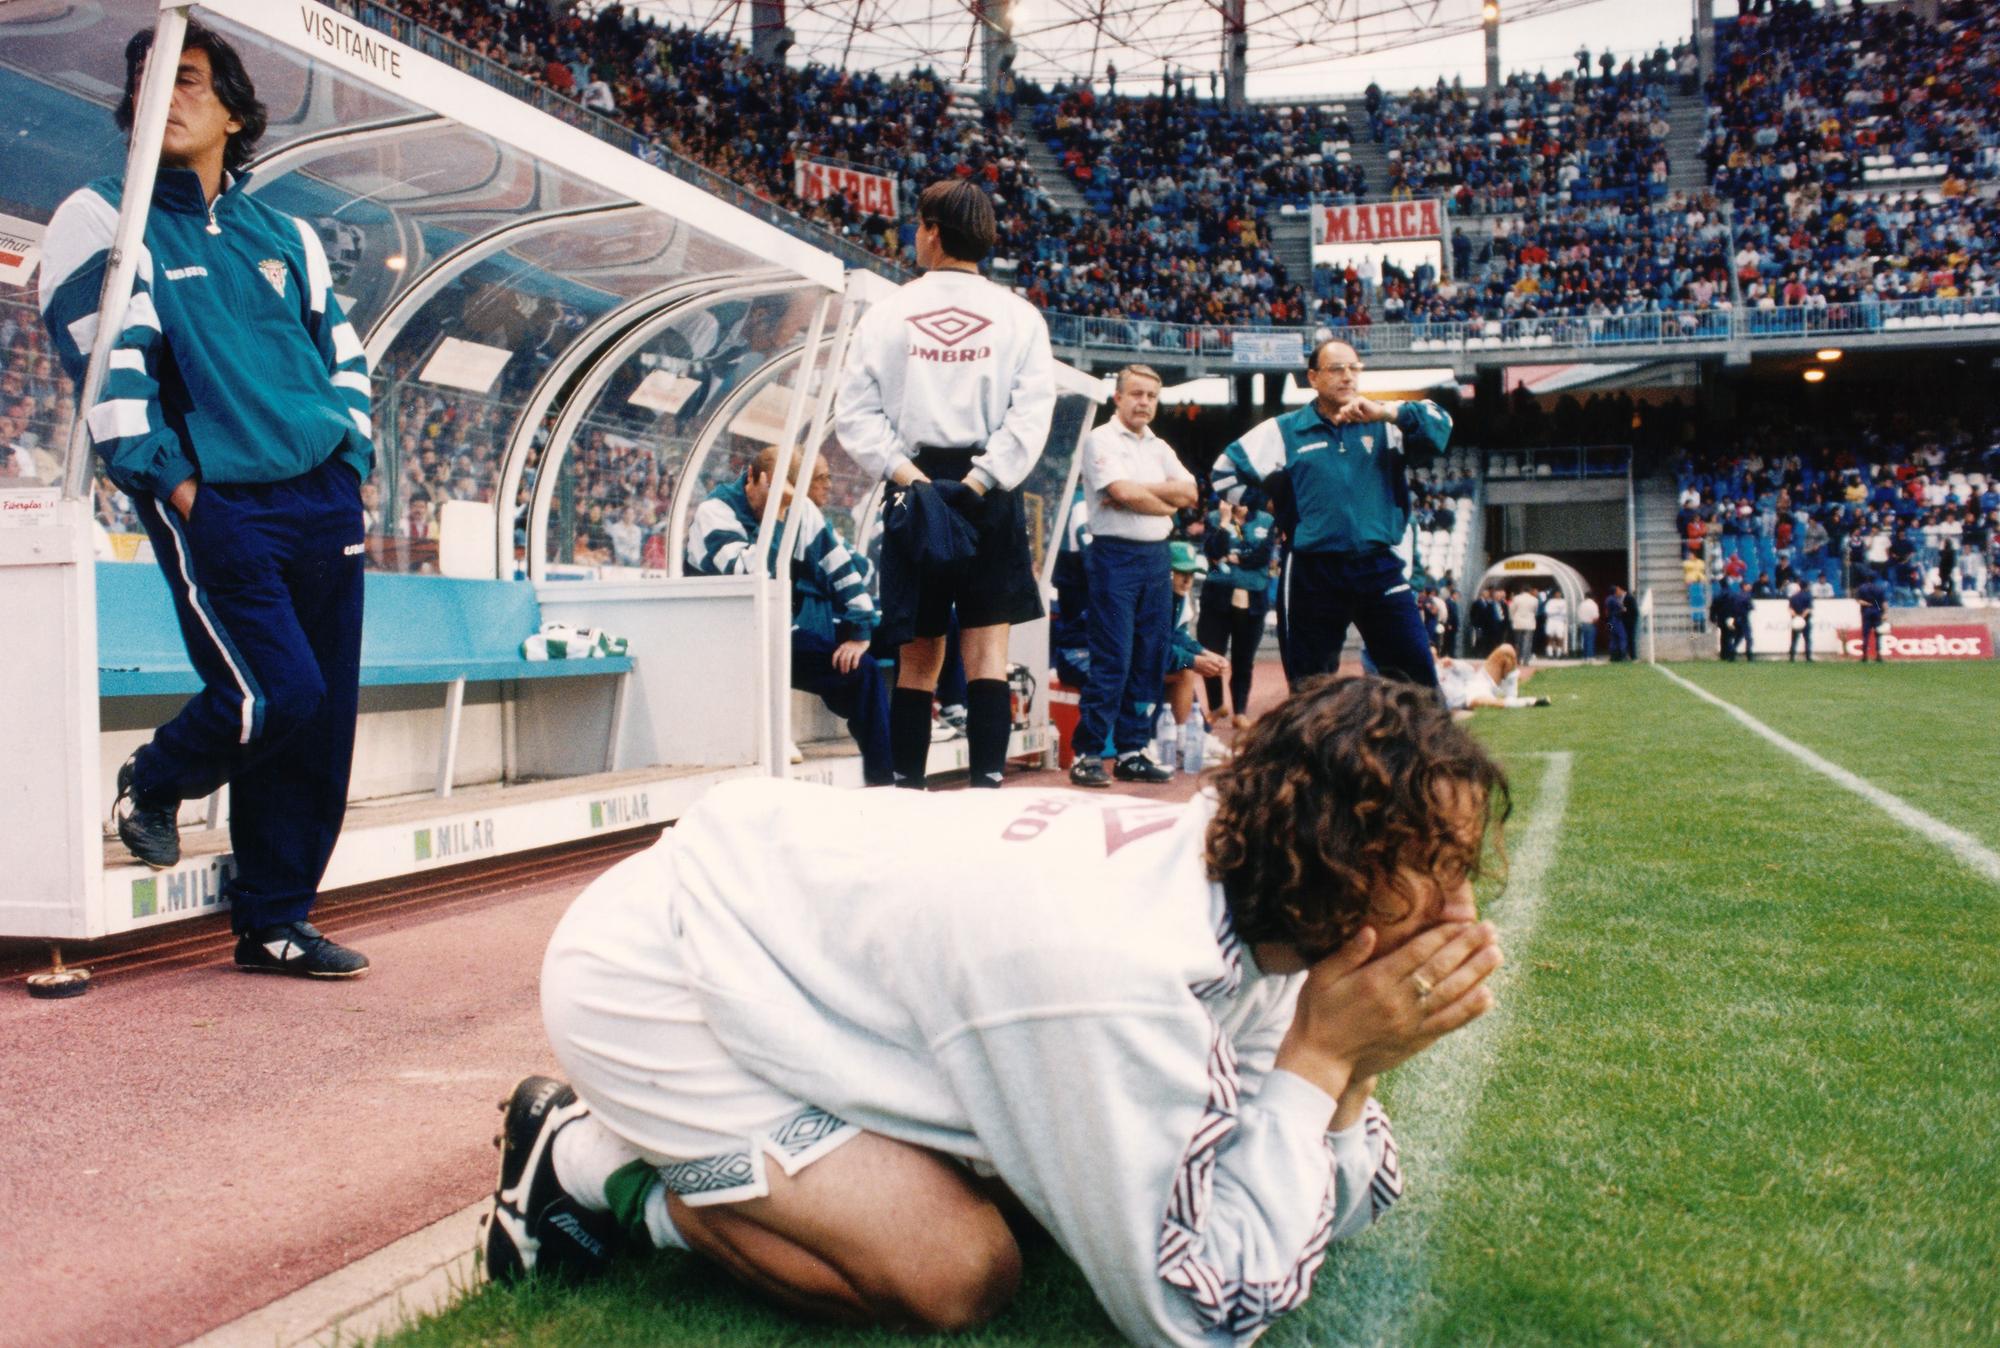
{"x": 417, "y": 631}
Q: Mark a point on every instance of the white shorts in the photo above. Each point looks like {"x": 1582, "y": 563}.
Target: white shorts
{"x": 628, "y": 1028}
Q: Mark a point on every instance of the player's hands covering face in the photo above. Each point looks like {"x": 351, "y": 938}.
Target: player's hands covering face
{"x": 1358, "y": 1017}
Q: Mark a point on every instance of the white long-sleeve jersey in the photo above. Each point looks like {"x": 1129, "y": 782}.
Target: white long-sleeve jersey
{"x": 1045, "y": 983}
{"x": 952, "y": 360}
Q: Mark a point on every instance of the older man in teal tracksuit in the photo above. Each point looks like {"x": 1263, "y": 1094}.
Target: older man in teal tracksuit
{"x": 235, "y": 414}
{"x": 1333, "y": 475}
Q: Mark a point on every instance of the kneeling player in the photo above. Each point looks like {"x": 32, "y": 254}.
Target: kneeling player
{"x": 816, "y": 1034}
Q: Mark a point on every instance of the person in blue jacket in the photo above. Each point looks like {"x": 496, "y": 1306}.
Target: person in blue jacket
{"x": 833, "y": 615}
{"x": 1239, "y": 544}
{"x": 1333, "y": 476}
{"x": 236, "y": 416}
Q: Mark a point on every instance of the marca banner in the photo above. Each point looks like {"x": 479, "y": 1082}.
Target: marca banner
{"x": 869, "y": 191}
{"x": 1959, "y": 641}
{"x": 1378, "y": 222}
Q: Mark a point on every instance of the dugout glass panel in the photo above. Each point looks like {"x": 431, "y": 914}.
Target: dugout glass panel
{"x": 707, "y": 376}
{"x": 466, "y": 257}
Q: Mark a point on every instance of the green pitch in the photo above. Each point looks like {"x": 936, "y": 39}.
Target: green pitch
{"x": 1744, "y": 1086}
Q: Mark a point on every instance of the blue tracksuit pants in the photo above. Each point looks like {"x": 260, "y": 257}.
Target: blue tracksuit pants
{"x": 1319, "y": 594}
{"x": 858, "y": 697}
{"x": 1130, "y": 618}
{"x": 267, "y": 585}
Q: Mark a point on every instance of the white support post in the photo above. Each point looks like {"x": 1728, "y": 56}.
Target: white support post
{"x": 781, "y": 676}
{"x": 142, "y": 168}
{"x": 617, "y": 721}
{"x": 774, "y": 707}
{"x": 454, "y": 706}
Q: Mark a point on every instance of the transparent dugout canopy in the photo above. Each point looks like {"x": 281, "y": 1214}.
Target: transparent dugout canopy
{"x": 490, "y": 258}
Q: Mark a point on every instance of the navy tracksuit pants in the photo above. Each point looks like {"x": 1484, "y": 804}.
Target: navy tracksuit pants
{"x": 1130, "y": 618}
{"x": 1321, "y": 593}
{"x": 858, "y": 697}
{"x": 266, "y": 580}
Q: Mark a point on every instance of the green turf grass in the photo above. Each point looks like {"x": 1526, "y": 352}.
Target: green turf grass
{"x": 1923, "y": 730}
{"x": 1749, "y": 1089}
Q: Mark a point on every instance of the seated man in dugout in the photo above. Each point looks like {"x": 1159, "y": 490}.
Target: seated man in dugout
{"x": 831, "y": 1040}
{"x": 833, "y": 615}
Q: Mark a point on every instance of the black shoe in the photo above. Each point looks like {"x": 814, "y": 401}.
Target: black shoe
{"x": 1539, "y": 702}
{"x": 535, "y": 1227}
{"x": 298, "y": 949}
{"x": 148, "y": 828}
{"x": 1139, "y": 768}
{"x": 1089, "y": 771}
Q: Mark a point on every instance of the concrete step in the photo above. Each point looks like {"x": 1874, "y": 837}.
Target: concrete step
{"x": 1049, "y": 173}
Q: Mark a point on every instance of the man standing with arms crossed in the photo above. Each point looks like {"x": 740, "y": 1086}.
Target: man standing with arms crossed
{"x": 1134, "y": 484}
{"x": 235, "y": 414}
{"x": 949, "y": 388}
{"x": 1334, "y": 473}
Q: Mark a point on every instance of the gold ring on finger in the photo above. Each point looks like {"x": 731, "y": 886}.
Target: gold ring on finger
{"x": 1423, "y": 987}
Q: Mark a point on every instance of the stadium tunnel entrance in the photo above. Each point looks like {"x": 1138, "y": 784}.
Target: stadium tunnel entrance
{"x": 1532, "y": 566}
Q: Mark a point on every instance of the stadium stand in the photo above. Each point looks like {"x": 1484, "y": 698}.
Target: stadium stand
{"x": 1533, "y": 145}
{"x": 1855, "y": 96}
{"x": 1918, "y": 504}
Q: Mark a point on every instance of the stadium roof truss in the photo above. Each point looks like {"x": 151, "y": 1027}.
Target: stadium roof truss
{"x": 1066, "y": 39}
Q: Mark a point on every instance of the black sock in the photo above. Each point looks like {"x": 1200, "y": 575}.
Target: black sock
{"x": 989, "y": 720}
{"x": 910, "y": 735}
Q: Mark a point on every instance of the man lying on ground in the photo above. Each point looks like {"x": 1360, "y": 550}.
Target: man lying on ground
{"x": 814, "y": 1035}
{"x": 1492, "y": 682}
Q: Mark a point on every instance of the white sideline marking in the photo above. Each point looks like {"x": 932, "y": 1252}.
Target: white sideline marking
{"x": 1968, "y": 849}
{"x": 1386, "y": 1287}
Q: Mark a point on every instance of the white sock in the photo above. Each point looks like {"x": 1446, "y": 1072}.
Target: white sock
{"x": 587, "y": 1153}
{"x": 659, "y": 1225}
{"x": 1519, "y": 701}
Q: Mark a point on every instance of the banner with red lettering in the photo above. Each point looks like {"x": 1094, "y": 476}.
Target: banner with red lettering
{"x": 869, "y": 191}
{"x": 1378, "y": 222}
{"x": 1928, "y": 642}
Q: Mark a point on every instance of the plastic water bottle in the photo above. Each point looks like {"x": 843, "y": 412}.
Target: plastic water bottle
{"x": 1194, "y": 743}
{"x": 1166, "y": 738}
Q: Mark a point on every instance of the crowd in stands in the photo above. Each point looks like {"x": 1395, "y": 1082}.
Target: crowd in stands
{"x": 704, "y": 97}
{"x": 1813, "y": 94}
{"x": 1918, "y": 508}
{"x": 1805, "y": 100}
{"x": 1179, "y": 190}
{"x": 1590, "y": 261}
{"x": 1534, "y": 144}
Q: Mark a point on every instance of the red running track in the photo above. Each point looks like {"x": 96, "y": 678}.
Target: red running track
{"x": 188, "y": 1143}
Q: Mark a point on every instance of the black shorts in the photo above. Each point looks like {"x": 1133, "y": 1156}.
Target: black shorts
{"x": 996, "y": 585}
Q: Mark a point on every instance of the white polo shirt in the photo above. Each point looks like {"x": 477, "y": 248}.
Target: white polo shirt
{"x": 1111, "y": 454}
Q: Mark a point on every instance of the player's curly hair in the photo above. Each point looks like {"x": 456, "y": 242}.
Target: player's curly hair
{"x": 1329, "y": 795}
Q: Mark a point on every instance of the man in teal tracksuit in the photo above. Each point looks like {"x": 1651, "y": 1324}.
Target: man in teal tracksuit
{"x": 235, "y": 414}
{"x": 1332, "y": 474}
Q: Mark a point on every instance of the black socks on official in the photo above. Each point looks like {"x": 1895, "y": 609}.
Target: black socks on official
{"x": 989, "y": 721}
{"x": 910, "y": 735}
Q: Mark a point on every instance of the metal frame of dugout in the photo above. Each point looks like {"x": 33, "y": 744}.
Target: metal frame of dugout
{"x": 683, "y": 326}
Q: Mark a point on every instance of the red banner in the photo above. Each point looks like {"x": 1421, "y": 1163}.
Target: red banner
{"x": 868, "y": 191}
{"x": 1378, "y": 222}
{"x": 1956, "y": 642}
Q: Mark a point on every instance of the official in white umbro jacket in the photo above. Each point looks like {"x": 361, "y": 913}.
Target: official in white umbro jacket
{"x": 950, "y": 360}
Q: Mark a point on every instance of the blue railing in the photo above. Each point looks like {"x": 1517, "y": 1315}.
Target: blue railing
{"x": 1609, "y": 333}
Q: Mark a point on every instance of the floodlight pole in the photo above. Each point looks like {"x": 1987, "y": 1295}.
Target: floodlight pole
{"x": 1235, "y": 54}
{"x": 142, "y": 167}
{"x": 1491, "y": 15}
